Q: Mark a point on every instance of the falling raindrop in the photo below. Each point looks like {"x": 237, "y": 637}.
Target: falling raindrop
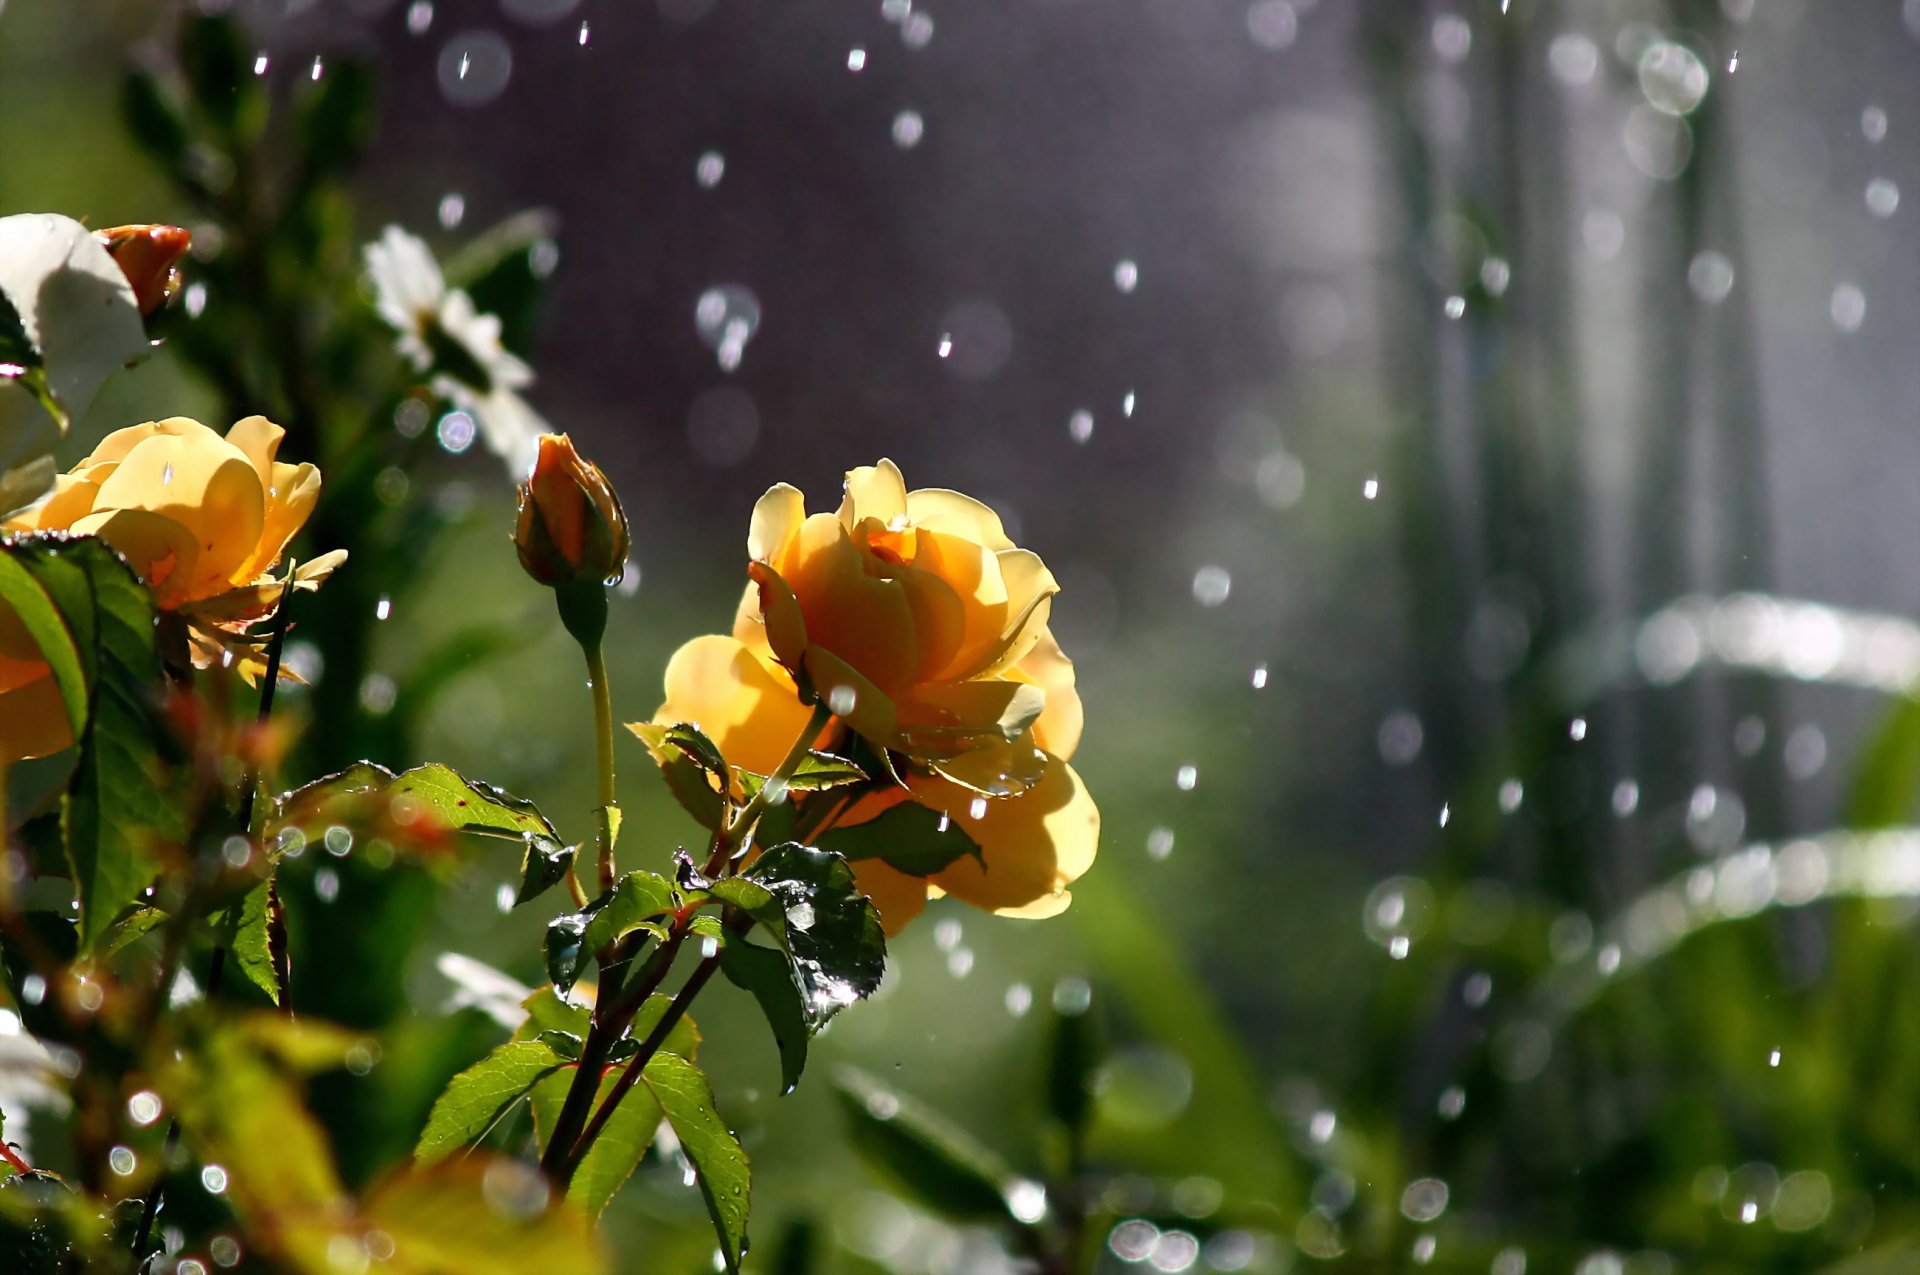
{"x": 1883, "y": 197}
{"x": 453, "y": 209}
{"x": 318, "y": 69}
{"x": 1186, "y": 778}
{"x": 709, "y": 169}
{"x": 727, "y": 316}
{"x": 1159, "y": 843}
{"x": 1512, "y": 792}
{"x": 1370, "y": 488}
{"x": 856, "y": 59}
{"x": 474, "y": 68}
{"x": 1211, "y": 586}
{"x": 1456, "y": 307}
{"x": 419, "y": 16}
{"x": 1577, "y": 729}
{"x": 908, "y": 128}
{"x": 1259, "y": 677}
{"x": 1848, "y": 307}
{"x": 260, "y": 64}
{"x": 1710, "y": 275}
{"x": 1873, "y": 125}
{"x": 455, "y": 432}
{"x": 917, "y": 31}
{"x": 1126, "y": 276}
{"x": 1080, "y": 426}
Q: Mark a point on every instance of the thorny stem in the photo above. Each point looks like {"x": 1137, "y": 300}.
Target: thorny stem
{"x": 573, "y": 1133}
{"x": 603, "y": 737}
{"x": 216, "y": 969}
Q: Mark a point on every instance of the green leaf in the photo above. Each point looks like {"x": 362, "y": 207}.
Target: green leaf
{"x": 566, "y": 1044}
{"x": 925, "y": 1154}
{"x": 548, "y": 1011}
{"x": 474, "y": 1100}
{"x": 1886, "y": 779}
{"x": 682, "y": 1039}
{"x": 134, "y": 923}
{"x": 617, "y": 1149}
{"x": 718, "y": 1162}
{"x": 818, "y": 771}
{"x": 691, "y": 780}
{"x": 566, "y": 948}
{"x": 418, "y": 810}
{"x": 833, "y": 935}
{"x": 41, "y": 619}
{"x": 768, "y": 975}
{"x": 117, "y": 800}
{"x": 635, "y": 898}
{"x": 485, "y": 1215}
{"x": 911, "y": 838}
{"x": 246, "y": 927}
{"x": 544, "y": 864}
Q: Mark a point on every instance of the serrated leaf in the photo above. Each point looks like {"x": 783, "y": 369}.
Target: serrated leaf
{"x": 544, "y": 865}
{"x": 474, "y": 1100}
{"x": 768, "y": 975}
{"x": 133, "y": 924}
{"x": 548, "y": 1011}
{"x": 719, "y": 1163}
{"x": 927, "y": 1155}
{"x": 908, "y": 837}
{"x": 636, "y": 897}
{"x": 417, "y": 810}
{"x": 246, "y": 928}
{"x": 617, "y": 1149}
{"x": 566, "y": 1044}
{"x": 117, "y": 803}
{"x": 689, "y": 777}
{"x": 833, "y": 935}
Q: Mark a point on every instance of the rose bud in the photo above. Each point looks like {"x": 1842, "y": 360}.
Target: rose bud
{"x": 571, "y": 530}
{"x": 149, "y": 256}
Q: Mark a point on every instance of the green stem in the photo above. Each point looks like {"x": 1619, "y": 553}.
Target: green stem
{"x": 733, "y": 835}
{"x": 603, "y": 736}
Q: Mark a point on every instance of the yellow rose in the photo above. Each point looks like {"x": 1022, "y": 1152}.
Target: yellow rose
{"x": 924, "y": 629}
{"x": 202, "y": 519}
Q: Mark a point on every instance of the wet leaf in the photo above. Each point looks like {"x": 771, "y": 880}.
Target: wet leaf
{"x": 686, "y": 759}
{"x": 474, "y": 1100}
{"x": 544, "y": 865}
{"x": 419, "y": 811}
{"x": 718, "y": 1162}
{"x": 245, "y": 926}
{"x": 908, "y": 837}
{"x": 636, "y": 897}
{"x": 768, "y": 975}
{"x": 832, "y": 934}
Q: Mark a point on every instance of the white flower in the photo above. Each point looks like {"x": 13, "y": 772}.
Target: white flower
{"x": 440, "y": 330}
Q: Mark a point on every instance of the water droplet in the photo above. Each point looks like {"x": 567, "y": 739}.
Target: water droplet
{"x": 33, "y": 989}
{"x": 326, "y": 885}
{"x": 1626, "y": 798}
{"x": 455, "y": 432}
{"x": 214, "y": 1179}
{"x": 166, "y": 474}
{"x": 1452, "y": 37}
{"x": 726, "y": 317}
{"x": 1160, "y": 843}
{"x": 775, "y": 790}
{"x": 260, "y": 64}
{"x": 709, "y": 948}
{"x": 856, "y": 59}
{"x": 1019, "y": 1000}
{"x": 946, "y": 344}
{"x": 419, "y": 16}
{"x": 960, "y": 962}
{"x": 1456, "y": 307}
{"x": 1186, "y": 777}
{"x": 1710, "y": 275}
{"x": 977, "y": 808}
{"x": 144, "y": 1107}
{"x": 917, "y": 31}
{"x": 1773, "y": 1059}
{"x": 318, "y": 69}
{"x": 800, "y": 916}
{"x": 1080, "y": 426}
{"x": 122, "y": 1160}
{"x": 1273, "y": 24}
{"x": 453, "y": 209}
{"x": 1873, "y": 125}
{"x": 1446, "y": 813}
{"x": 709, "y": 169}
{"x": 586, "y": 34}
{"x": 1126, "y": 276}
{"x": 1883, "y": 197}
{"x": 1027, "y": 1201}
{"x": 1848, "y": 307}
{"x": 1321, "y": 1126}
{"x": 1259, "y": 677}
{"x": 383, "y": 608}
{"x": 1211, "y": 585}
{"x": 1400, "y": 738}
{"x": 474, "y": 68}
{"x": 1577, "y": 729}
{"x": 1398, "y": 947}
{"x": 1128, "y": 403}
{"x": 908, "y": 129}
{"x": 1370, "y": 488}
{"x": 1672, "y": 77}
{"x": 1512, "y": 792}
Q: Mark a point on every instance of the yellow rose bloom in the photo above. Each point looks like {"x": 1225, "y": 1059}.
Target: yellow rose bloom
{"x": 202, "y": 519}
{"x": 923, "y": 627}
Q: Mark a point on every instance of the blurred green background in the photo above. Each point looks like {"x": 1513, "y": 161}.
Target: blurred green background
{"x": 1477, "y": 443}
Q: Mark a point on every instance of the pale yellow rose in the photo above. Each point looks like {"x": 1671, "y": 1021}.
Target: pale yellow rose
{"x": 202, "y": 519}
{"x": 916, "y": 619}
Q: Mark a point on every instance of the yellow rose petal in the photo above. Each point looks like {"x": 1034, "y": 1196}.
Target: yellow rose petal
{"x": 874, "y": 491}
{"x": 743, "y": 703}
{"x": 1034, "y": 845}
